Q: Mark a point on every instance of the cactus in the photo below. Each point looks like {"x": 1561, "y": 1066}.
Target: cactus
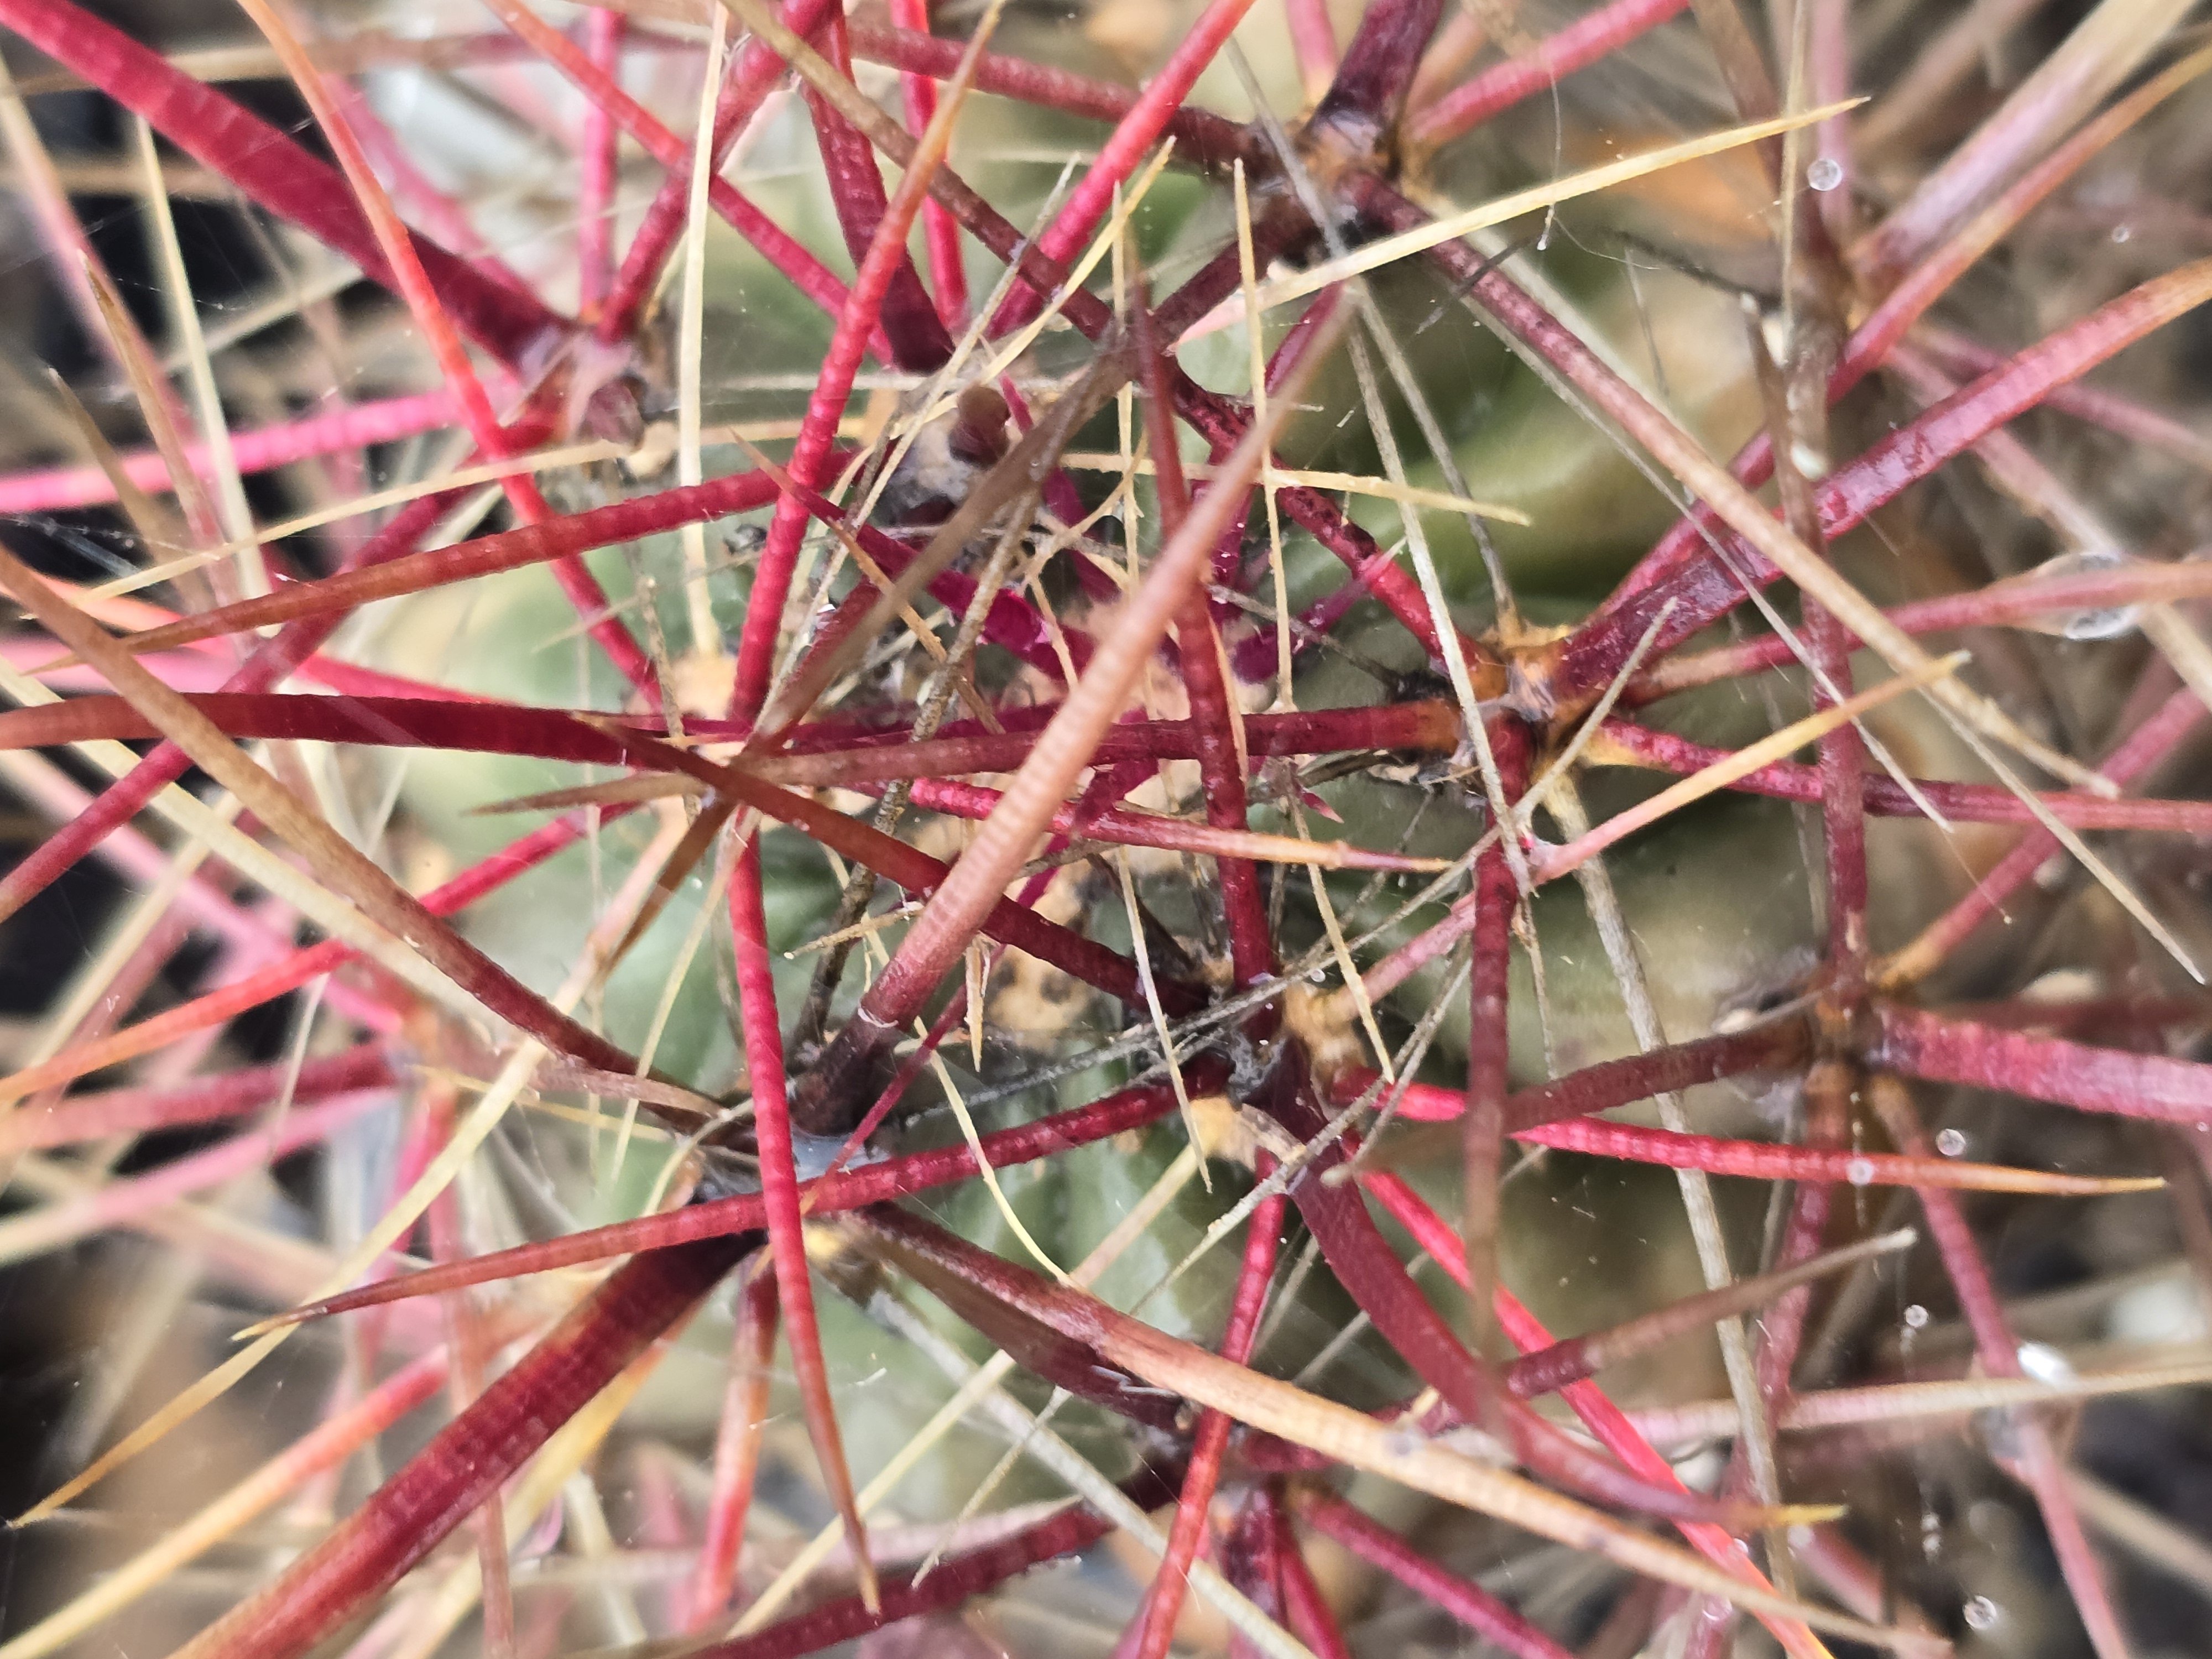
{"x": 1182, "y": 827}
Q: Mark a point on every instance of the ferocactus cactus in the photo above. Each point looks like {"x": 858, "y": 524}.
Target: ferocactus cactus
{"x": 939, "y": 818}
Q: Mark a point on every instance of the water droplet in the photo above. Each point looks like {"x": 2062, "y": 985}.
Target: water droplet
{"x": 2046, "y": 1365}
{"x": 1981, "y": 1613}
{"x": 2121, "y": 233}
{"x": 1950, "y": 1143}
{"x": 1859, "y": 1172}
{"x": 1825, "y": 175}
{"x": 2098, "y": 622}
{"x": 1915, "y": 1317}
